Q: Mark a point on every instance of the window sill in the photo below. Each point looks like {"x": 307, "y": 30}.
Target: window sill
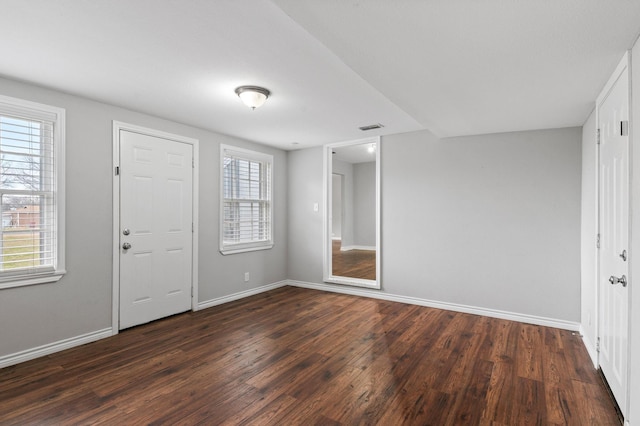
{"x": 25, "y": 280}
{"x": 235, "y": 250}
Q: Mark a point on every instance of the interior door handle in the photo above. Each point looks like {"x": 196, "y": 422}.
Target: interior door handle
{"x": 615, "y": 280}
{"x": 126, "y": 246}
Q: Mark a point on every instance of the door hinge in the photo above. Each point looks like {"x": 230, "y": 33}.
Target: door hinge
{"x": 192, "y": 227}
{"x": 598, "y": 137}
{"x": 598, "y": 241}
{"x": 598, "y": 344}
{"x": 624, "y": 128}
{"x": 117, "y": 170}
{"x": 193, "y": 163}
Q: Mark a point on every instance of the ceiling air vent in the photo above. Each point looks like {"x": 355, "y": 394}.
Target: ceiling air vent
{"x": 371, "y": 127}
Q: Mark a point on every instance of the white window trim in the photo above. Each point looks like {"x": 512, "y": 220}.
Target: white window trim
{"x": 226, "y": 249}
{"x": 32, "y": 110}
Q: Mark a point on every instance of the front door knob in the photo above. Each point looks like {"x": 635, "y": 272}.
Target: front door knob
{"x": 126, "y": 246}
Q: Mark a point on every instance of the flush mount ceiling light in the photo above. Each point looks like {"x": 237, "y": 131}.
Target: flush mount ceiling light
{"x": 252, "y": 96}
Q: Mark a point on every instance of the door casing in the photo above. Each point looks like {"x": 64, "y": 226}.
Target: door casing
{"x": 117, "y": 127}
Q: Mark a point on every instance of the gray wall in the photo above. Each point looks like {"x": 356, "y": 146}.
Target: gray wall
{"x": 81, "y": 301}
{"x": 364, "y": 222}
{"x": 305, "y": 225}
{"x": 490, "y": 221}
{"x": 589, "y": 229}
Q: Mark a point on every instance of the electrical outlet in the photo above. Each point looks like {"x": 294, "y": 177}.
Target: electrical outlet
{"x": 246, "y": 277}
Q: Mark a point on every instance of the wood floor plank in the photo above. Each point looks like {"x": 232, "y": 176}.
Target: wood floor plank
{"x": 322, "y": 396}
{"x": 471, "y": 398}
{"x": 503, "y": 340}
{"x": 499, "y": 397}
{"x": 558, "y": 387}
{"x": 426, "y": 407}
{"x": 302, "y": 357}
{"x": 531, "y": 408}
{"x": 528, "y": 357}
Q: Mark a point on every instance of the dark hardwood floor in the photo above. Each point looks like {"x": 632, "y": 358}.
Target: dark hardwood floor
{"x": 353, "y": 263}
{"x": 302, "y": 357}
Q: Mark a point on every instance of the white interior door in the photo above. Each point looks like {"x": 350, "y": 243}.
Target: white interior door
{"x": 156, "y": 190}
{"x": 613, "y": 116}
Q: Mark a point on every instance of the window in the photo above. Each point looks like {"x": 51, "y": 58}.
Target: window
{"x": 246, "y": 218}
{"x": 31, "y": 192}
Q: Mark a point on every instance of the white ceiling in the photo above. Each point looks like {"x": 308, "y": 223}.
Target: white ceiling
{"x": 455, "y": 67}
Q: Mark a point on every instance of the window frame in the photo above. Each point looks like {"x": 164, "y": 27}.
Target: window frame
{"x": 27, "y": 110}
{"x": 250, "y": 155}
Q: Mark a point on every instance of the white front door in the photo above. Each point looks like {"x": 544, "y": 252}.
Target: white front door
{"x": 613, "y": 119}
{"x": 156, "y": 190}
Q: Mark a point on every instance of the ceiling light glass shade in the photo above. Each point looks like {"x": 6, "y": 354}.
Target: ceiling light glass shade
{"x": 253, "y": 96}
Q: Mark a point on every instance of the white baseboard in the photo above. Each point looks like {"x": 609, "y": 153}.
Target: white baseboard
{"x": 493, "y": 313}
{"x": 50, "y": 348}
{"x": 240, "y": 295}
{"x": 591, "y": 348}
{"x": 354, "y": 247}
{"x": 26, "y": 355}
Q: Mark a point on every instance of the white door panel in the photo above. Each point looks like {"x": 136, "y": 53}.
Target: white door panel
{"x": 156, "y": 190}
{"x": 613, "y": 116}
